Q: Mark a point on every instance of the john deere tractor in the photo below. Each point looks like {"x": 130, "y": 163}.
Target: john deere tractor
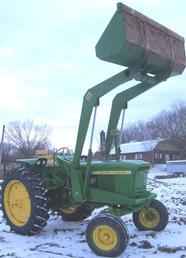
{"x": 73, "y": 187}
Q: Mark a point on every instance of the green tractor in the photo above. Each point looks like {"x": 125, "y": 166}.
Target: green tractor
{"x": 74, "y": 187}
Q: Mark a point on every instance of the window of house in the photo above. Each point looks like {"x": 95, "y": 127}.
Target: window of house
{"x": 156, "y": 155}
{"x": 161, "y": 156}
{"x": 138, "y": 156}
{"x": 167, "y": 157}
{"x": 174, "y": 157}
{"x": 123, "y": 157}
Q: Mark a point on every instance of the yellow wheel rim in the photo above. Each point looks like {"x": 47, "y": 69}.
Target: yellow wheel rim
{"x": 105, "y": 237}
{"x": 17, "y": 203}
{"x": 149, "y": 218}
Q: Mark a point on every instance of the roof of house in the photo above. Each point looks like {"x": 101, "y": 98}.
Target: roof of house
{"x": 138, "y": 147}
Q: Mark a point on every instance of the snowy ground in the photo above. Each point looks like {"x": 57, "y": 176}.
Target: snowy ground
{"x": 67, "y": 240}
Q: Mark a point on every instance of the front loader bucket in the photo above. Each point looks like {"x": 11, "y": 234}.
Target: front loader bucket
{"x": 133, "y": 40}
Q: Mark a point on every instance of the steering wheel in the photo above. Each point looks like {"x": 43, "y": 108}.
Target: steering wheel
{"x": 42, "y": 162}
{"x": 62, "y": 150}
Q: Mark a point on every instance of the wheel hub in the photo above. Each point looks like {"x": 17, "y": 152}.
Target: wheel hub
{"x": 17, "y": 202}
{"x": 105, "y": 237}
{"x": 149, "y": 217}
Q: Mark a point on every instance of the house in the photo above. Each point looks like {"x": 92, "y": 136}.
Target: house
{"x": 155, "y": 151}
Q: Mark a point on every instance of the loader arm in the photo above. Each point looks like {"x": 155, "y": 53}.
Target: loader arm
{"x": 91, "y": 100}
{"x": 120, "y": 102}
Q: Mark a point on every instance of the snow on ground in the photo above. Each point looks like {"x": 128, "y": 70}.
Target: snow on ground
{"x": 67, "y": 240}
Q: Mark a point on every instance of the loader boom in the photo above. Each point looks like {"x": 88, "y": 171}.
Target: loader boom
{"x": 120, "y": 102}
{"x": 93, "y": 95}
{"x": 91, "y": 100}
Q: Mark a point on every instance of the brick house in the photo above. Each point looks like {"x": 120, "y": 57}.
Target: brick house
{"x": 155, "y": 151}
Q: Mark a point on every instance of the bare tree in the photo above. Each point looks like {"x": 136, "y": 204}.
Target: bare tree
{"x": 26, "y": 137}
{"x": 169, "y": 124}
{"x": 135, "y": 132}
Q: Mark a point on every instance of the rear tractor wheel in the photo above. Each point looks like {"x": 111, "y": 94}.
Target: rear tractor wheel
{"x": 24, "y": 202}
{"x": 107, "y": 235}
{"x": 154, "y": 217}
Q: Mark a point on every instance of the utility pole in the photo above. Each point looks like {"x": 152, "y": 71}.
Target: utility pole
{"x": 2, "y": 144}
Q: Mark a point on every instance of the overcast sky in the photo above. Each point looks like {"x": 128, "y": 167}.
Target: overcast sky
{"x": 47, "y": 62}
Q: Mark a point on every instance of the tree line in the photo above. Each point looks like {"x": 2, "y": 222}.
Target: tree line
{"x": 22, "y": 139}
{"x": 169, "y": 124}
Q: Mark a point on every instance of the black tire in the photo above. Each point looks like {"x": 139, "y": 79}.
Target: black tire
{"x": 78, "y": 214}
{"x": 37, "y": 198}
{"x": 118, "y": 243}
{"x": 157, "y": 212}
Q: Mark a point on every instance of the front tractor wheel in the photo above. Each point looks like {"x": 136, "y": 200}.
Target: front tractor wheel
{"x": 154, "y": 217}
{"x": 24, "y": 202}
{"x": 107, "y": 236}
